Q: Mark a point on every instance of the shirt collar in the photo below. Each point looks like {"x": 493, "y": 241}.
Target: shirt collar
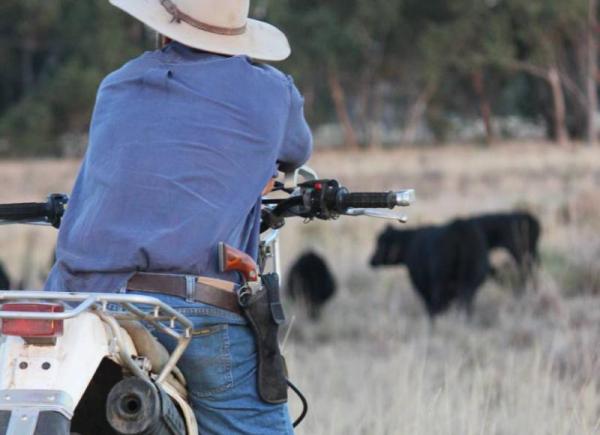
{"x": 186, "y": 52}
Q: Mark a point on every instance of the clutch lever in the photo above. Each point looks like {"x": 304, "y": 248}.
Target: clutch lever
{"x": 377, "y": 213}
{"x": 26, "y": 222}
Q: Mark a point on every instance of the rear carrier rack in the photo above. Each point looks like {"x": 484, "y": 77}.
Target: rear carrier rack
{"x": 18, "y": 307}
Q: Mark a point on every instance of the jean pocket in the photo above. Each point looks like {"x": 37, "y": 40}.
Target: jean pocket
{"x": 207, "y": 362}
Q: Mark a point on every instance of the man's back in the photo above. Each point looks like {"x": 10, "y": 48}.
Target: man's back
{"x": 181, "y": 144}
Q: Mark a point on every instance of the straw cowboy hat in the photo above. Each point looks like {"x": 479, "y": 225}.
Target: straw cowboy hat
{"x": 218, "y": 26}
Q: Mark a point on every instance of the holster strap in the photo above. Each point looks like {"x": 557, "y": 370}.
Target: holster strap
{"x": 221, "y": 294}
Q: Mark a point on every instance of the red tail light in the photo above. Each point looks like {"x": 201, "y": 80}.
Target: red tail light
{"x": 32, "y": 328}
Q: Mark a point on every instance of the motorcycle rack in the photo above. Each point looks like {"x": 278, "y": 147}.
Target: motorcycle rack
{"x": 128, "y": 307}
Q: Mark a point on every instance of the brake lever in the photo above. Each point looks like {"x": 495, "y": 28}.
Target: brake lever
{"x": 377, "y": 213}
{"x": 26, "y": 222}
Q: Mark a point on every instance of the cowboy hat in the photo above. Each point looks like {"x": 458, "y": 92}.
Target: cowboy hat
{"x": 218, "y": 26}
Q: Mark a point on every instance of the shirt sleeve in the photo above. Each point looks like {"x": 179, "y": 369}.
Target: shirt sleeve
{"x": 297, "y": 141}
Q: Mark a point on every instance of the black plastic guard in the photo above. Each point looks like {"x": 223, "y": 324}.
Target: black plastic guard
{"x": 4, "y": 420}
{"x": 48, "y": 423}
{"x": 265, "y": 313}
{"x": 52, "y": 423}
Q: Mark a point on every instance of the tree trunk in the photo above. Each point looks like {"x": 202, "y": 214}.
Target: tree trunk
{"x": 339, "y": 100}
{"x": 370, "y": 100}
{"x": 484, "y": 105}
{"x": 309, "y": 98}
{"x": 592, "y": 61}
{"x": 363, "y": 103}
{"x": 416, "y": 112}
{"x": 558, "y": 99}
{"x": 375, "y": 130}
{"x": 27, "y": 73}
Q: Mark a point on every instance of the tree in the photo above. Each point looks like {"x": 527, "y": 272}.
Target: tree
{"x": 465, "y": 44}
{"x": 543, "y": 32}
{"x": 369, "y": 65}
{"x": 65, "y": 48}
{"x": 321, "y": 47}
{"x": 592, "y": 72}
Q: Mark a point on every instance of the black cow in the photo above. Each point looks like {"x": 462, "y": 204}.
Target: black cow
{"x": 310, "y": 281}
{"x": 445, "y": 263}
{"x": 4, "y": 280}
{"x": 518, "y": 233}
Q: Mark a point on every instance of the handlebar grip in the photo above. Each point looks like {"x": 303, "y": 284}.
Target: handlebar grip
{"x": 368, "y": 200}
{"x": 390, "y": 199}
{"x": 23, "y": 211}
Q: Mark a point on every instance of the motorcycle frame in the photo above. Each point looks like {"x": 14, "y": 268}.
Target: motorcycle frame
{"x": 270, "y": 245}
{"x": 270, "y": 250}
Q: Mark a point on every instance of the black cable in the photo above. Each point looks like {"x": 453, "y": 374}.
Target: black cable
{"x": 302, "y": 399}
{"x": 287, "y": 204}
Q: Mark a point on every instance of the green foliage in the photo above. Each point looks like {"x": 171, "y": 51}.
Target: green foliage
{"x": 384, "y": 54}
{"x": 57, "y": 54}
{"x": 27, "y": 128}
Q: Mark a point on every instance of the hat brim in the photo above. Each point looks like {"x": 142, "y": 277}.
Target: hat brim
{"x": 260, "y": 41}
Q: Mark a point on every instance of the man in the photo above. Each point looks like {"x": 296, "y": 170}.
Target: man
{"x": 182, "y": 142}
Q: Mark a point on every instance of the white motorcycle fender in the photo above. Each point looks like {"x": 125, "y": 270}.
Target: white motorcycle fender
{"x": 42, "y": 378}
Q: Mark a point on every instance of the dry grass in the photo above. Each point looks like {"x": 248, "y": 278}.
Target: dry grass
{"x": 521, "y": 366}
{"x": 374, "y": 364}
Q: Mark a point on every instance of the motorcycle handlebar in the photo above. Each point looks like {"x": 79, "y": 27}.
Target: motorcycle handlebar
{"x": 49, "y": 212}
{"x": 322, "y": 199}
{"x": 23, "y": 211}
{"x": 368, "y": 200}
{"x": 376, "y": 199}
{"x": 326, "y": 199}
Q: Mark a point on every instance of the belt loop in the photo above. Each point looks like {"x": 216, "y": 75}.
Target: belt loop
{"x": 190, "y": 288}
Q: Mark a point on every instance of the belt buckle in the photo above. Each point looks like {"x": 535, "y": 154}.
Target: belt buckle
{"x": 190, "y": 288}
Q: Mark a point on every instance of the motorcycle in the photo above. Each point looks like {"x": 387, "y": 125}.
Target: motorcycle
{"x": 87, "y": 363}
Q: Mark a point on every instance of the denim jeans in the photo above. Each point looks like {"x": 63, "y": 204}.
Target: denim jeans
{"x": 220, "y": 368}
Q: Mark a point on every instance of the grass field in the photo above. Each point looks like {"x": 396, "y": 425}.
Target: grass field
{"x": 374, "y": 364}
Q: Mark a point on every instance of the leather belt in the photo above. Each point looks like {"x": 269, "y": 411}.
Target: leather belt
{"x": 221, "y": 294}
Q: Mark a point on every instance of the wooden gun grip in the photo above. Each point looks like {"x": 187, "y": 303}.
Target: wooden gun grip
{"x": 232, "y": 259}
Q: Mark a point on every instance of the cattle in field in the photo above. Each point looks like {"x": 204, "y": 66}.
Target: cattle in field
{"x": 310, "y": 282}
{"x": 446, "y": 263}
{"x": 4, "y": 280}
{"x": 516, "y": 232}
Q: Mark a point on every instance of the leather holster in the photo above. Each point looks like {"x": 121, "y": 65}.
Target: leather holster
{"x": 265, "y": 314}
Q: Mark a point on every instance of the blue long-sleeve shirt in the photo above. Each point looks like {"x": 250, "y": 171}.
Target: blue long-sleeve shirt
{"x": 181, "y": 144}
